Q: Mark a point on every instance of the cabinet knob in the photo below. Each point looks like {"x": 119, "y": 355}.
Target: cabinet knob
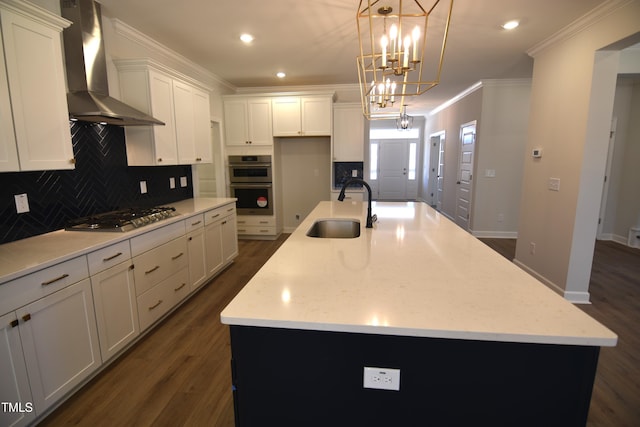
{"x": 14, "y": 323}
{"x": 26, "y": 317}
{"x": 72, "y": 161}
{"x": 159, "y": 159}
{"x": 198, "y": 159}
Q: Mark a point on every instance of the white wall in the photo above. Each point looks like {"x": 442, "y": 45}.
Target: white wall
{"x": 571, "y": 108}
{"x": 502, "y": 131}
{"x": 305, "y": 173}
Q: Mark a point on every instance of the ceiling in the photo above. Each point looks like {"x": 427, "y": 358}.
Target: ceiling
{"x": 316, "y": 43}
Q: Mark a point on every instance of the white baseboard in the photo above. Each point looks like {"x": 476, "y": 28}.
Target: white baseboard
{"x": 574, "y": 297}
{"x": 495, "y": 234}
{"x": 623, "y": 240}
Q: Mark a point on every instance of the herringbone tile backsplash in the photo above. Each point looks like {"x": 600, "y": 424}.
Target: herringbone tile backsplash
{"x": 101, "y": 182}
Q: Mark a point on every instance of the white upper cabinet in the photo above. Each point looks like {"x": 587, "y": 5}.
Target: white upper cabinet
{"x": 183, "y": 107}
{"x": 33, "y": 100}
{"x": 248, "y": 121}
{"x": 302, "y": 116}
{"x": 348, "y": 133}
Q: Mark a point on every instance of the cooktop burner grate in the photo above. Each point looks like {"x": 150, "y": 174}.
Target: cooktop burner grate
{"x": 121, "y": 220}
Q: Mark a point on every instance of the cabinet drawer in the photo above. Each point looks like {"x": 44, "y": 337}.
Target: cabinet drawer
{"x": 218, "y": 213}
{"x": 194, "y": 222}
{"x": 157, "y": 301}
{"x": 258, "y": 221}
{"x": 251, "y": 230}
{"x": 152, "y": 239}
{"x": 26, "y": 289}
{"x": 157, "y": 264}
{"x": 107, "y": 257}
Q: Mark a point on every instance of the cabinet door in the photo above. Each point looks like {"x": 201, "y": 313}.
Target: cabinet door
{"x": 185, "y": 125}
{"x": 213, "y": 248}
{"x": 348, "y": 134}
{"x": 202, "y": 127}
{"x": 229, "y": 237}
{"x": 60, "y": 342}
{"x": 236, "y": 118}
{"x": 8, "y": 150}
{"x": 316, "y": 116}
{"x": 14, "y": 383}
{"x": 161, "y": 93}
{"x": 259, "y": 121}
{"x": 197, "y": 264}
{"x": 33, "y": 54}
{"x": 114, "y": 297}
{"x": 286, "y": 116}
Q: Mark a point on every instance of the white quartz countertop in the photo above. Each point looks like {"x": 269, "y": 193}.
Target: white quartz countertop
{"x": 34, "y": 253}
{"x": 415, "y": 273}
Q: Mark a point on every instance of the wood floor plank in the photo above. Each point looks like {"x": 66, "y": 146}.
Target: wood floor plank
{"x": 179, "y": 374}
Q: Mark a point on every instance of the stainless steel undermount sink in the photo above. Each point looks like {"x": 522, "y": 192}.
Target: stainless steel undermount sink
{"x": 335, "y": 229}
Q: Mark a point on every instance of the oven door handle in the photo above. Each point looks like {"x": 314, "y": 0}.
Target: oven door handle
{"x": 250, "y": 166}
{"x": 245, "y": 185}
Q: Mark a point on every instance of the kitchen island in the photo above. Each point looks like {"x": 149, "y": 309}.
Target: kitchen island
{"x": 477, "y": 340}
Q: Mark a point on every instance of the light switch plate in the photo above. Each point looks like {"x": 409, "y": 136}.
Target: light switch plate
{"x": 143, "y": 187}
{"x": 172, "y": 183}
{"x": 183, "y": 181}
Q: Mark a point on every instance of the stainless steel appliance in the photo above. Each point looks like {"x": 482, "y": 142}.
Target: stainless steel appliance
{"x": 251, "y": 183}
{"x": 121, "y": 220}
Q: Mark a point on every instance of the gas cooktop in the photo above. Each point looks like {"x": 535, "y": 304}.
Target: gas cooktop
{"x": 121, "y": 220}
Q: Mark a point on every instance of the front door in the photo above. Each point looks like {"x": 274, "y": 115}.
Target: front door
{"x": 465, "y": 174}
{"x": 393, "y": 163}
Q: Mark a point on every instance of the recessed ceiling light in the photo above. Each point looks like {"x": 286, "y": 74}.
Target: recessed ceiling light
{"x": 246, "y": 38}
{"x": 510, "y": 25}
{"x": 281, "y": 75}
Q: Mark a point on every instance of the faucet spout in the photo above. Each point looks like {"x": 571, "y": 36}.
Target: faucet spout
{"x": 370, "y": 217}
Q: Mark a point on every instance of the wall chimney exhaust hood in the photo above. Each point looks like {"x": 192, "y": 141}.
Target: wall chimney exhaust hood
{"x": 88, "y": 97}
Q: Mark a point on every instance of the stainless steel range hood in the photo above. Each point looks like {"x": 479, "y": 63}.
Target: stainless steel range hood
{"x": 86, "y": 65}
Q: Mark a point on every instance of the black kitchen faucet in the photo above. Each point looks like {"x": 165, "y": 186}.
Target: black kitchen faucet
{"x": 370, "y": 218}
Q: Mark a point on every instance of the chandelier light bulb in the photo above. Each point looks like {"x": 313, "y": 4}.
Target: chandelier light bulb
{"x": 384, "y": 41}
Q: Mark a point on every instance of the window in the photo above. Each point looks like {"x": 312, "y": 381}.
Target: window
{"x": 373, "y": 158}
{"x": 413, "y": 161}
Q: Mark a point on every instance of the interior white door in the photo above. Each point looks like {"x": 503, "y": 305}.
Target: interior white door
{"x": 465, "y": 175}
{"x": 440, "y": 174}
{"x": 393, "y": 162}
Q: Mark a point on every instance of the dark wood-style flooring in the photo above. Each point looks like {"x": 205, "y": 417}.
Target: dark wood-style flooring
{"x": 179, "y": 374}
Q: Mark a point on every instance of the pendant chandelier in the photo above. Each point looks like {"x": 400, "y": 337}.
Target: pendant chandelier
{"x": 405, "y": 121}
{"x": 395, "y": 61}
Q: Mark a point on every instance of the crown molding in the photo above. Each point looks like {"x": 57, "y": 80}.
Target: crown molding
{"x": 148, "y": 43}
{"x": 590, "y": 18}
{"x": 458, "y": 97}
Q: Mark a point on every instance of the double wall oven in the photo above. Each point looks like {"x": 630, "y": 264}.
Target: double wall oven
{"x": 251, "y": 183}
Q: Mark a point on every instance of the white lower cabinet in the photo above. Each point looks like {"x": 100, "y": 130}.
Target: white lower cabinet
{"x": 157, "y": 301}
{"x": 256, "y": 225}
{"x": 197, "y": 261}
{"x": 116, "y": 308}
{"x": 60, "y": 342}
{"x": 221, "y": 238}
{"x": 14, "y": 382}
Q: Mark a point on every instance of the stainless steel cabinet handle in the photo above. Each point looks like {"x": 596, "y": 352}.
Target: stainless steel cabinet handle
{"x": 57, "y": 279}
{"x": 155, "y": 305}
{"x": 111, "y": 257}
{"x": 152, "y": 270}
{"x": 173, "y": 258}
